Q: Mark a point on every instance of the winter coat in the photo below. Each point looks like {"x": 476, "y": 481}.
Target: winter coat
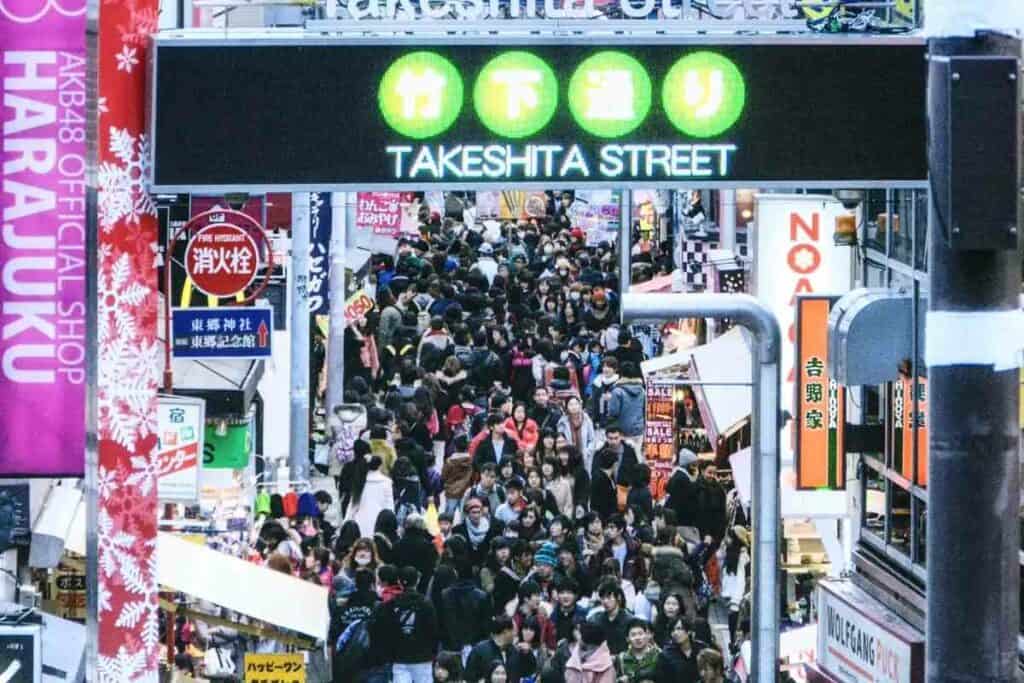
{"x": 673, "y": 666}
{"x": 390, "y": 321}
{"x": 416, "y": 549}
{"x": 561, "y": 490}
{"x": 527, "y": 437}
{"x": 711, "y": 518}
{"x": 457, "y": 474}
{"x": 633, "y": 568}
{"x": 378, "y": 494}
{"x": 588, "y": 436}
{"x": 640, "y": 668}
{"x": 486, "y": 453}
{"x": 405, "y": 630}
{"x": 564, "y": 623}
{"x": 485, "y": 652}
{"x": 682, "y": 497}
{"x": 494, "y": 498}
{"x": 604, "y": 496}
{"x": 627, "y": 406}
{"x": 465, "y": 615}
{"x": 597, "y": 668}
{"x": 546, "y": 417}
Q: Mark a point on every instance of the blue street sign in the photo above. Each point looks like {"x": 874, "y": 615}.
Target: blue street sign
{"x": 229, "y": 332}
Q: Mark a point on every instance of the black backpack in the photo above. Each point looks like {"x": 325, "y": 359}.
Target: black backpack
{"x": 352, "y": 651}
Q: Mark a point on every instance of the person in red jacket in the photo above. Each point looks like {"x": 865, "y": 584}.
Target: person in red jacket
{"x": 529, "y": 606}
{"x": 521, "y": 428}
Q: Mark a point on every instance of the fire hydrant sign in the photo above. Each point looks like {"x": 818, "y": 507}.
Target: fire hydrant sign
{"x": 222, "y": 332}
{"x": 221, "y": 259}
{"x": 284, "y": 668}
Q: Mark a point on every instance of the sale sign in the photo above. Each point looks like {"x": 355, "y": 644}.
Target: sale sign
{"x": 181, "y": 424}
{"x": 380, "y": 212}
{"x": 660, "y": 435}
{"x": 222, "y": 259}
{"x": 358, "y": 305}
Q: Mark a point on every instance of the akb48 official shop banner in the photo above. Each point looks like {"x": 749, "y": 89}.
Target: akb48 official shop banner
{"x": 42, "y": 240}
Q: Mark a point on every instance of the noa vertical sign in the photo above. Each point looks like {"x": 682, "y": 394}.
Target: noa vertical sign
{"x": 43, "y": 237}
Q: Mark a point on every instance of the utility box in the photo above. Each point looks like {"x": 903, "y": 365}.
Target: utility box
{"x": 975, "y": 160}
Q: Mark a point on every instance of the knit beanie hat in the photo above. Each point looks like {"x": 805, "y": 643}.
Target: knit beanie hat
{"x": 276, "y": 506}
{"x": 546, "y": 554}
{"x": 262, "y": 505}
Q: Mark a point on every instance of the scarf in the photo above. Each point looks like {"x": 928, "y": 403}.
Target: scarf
{"x": 576, "y": 424}
{"x": 477, "y": 534}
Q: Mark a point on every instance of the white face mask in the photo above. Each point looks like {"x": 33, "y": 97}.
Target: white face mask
{"x": 575, "y": 296}
{"x": 363, "y": 559}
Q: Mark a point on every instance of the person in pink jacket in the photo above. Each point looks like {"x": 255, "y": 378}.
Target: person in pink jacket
{"x": 591, "y": 660}
{"x": 522, "y": 428}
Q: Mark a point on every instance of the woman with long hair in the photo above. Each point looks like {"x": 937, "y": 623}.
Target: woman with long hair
{"x": 546, "y": 445}
{"x": 578, "y": 429}
{"x": 348, "y": 534}
{"x": 385, "y": 536}
{"x": 374, "y": 495}
{"x": 574, "y": 473}
{"x": 362, "y": 556}
{"x": 670, "y": 609}
{"x": 520, "y": 427}
{"x": 559, "y": 488}
{"x": 734, "y": 575}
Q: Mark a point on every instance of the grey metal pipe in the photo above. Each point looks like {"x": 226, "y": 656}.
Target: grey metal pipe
{"x": 625, "y": 241}
{"x": 751, "y": 314}
{"x": 727, "y": 220}
{"x": 298, "y": 451}
{"x": 336, "y": 284}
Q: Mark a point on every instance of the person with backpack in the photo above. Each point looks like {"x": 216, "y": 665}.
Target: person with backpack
{"x": 405, "y": 632}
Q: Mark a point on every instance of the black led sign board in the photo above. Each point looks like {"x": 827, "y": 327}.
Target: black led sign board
{"x": 235, "y": 115}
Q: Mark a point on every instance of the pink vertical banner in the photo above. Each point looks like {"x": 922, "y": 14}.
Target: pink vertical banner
{"x": 42, "y": 240}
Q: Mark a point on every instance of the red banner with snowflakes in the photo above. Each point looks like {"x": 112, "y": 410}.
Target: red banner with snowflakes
{"x": 130, "y": 355}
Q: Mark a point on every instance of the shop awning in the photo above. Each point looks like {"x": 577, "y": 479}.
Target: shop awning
{"x": 255, "y": 591}
{"x": 727, "y": 360}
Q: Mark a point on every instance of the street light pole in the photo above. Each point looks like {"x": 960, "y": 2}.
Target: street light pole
{"x": 973, "y": 582}
{"x": 336, "y": 326}
{"x": 298, "y": 452}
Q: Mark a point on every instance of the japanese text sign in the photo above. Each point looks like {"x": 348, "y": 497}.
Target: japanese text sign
{"x": 357, "y": 306}
{"x": 903, "y": 412}
{"x": 659, "y": 435}
{"x": 222, "y": 332}
{"x": 222, "y": 259}
{"x": 181, "y": 424}
{"x": 282, "y": 668}
{"x": 820, "y": 401}
{"x": 380, "y": 212}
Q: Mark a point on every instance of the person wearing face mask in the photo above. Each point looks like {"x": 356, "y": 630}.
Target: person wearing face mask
{"x": 362, "y": 556}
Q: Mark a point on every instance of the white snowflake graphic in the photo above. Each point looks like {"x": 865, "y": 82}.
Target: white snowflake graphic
{"x": 126, "y": 666}
{"x": 101, "y": 105}
{"x": 145, "y": 472}
{"x": 113, "y": 547}
{"x": 122, "y": 186}
{"x": 106, "y": 482}
{"x": 127, "y": 59}
{"x": 140, "y": 581}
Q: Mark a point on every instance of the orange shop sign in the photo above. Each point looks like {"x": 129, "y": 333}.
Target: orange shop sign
{"x": 820, "y": 401}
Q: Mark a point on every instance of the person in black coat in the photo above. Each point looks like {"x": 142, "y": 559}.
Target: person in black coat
{"x": 497, "y": 447}
{"x": 604, "y": 498}
{"x": 626, "y": 455}
{"x": 712, "y": 515}
{"x": 678, "y": 659}
{"x": 405, "y": 629}
{"x": 416, "y": 549}
{"x": 498, "y": 648}
{"x": 465, "y": 613}
{"x": 682, "y": 490}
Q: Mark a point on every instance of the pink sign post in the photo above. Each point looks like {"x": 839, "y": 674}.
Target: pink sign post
{"x": 43, "y": 338}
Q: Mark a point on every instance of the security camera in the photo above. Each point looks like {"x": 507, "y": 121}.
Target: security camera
{"x": 850, "y": 199}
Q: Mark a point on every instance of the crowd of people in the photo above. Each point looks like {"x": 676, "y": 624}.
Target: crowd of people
{"x": 497, "y": 521}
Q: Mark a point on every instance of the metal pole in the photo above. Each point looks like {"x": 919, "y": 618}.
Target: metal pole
{"x": 973, "y": 612}
{"x": 625, "y": 242}
{"x": 752, "y": 314}
{"x": 727, "y": 220}
{"x": 298, "y": 452}
{"x": 336, "y": 330}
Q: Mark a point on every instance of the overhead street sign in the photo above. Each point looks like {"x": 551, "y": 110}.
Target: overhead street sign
{"x": 429, "y": 114}
{"x": 223, "y": 332}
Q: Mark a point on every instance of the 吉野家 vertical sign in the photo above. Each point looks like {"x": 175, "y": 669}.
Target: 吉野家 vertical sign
{"x": 820, "y": 401}
{"x": 42, "y": 249}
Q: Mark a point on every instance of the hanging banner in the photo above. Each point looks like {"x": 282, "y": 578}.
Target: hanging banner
{"x": 181, "y": 425}
{"x": 597, "y": 213}
{"x": 230, "y": 449}
{"x": 380, "y": 212}
{"x": 42, "y": 253}
{"x": 820, "y": 401}
{"x": 319, "y": 252}
{"x": 659, "y": 435}
{"x": 796, "y": 255}
{"x": 903, "y": 412}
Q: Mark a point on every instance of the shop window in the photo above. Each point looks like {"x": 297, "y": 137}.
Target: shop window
{"x": 874, "y": 502}
{"x": 899, "y": 228}
{"x": 874, "y": 206}
{"x": 921, "y": 230}
{"x": 899, "y": 519}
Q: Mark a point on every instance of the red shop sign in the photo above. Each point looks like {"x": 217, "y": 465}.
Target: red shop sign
{"x": 222, "y": 259}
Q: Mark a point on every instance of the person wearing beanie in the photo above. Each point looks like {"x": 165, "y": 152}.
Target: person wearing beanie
{"x": 544, "y": 562}
{"x": 682, "y": 490}
{"x": 591, "y": 660}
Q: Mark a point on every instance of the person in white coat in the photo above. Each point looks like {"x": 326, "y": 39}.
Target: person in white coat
{"x": 375, "y": 494}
